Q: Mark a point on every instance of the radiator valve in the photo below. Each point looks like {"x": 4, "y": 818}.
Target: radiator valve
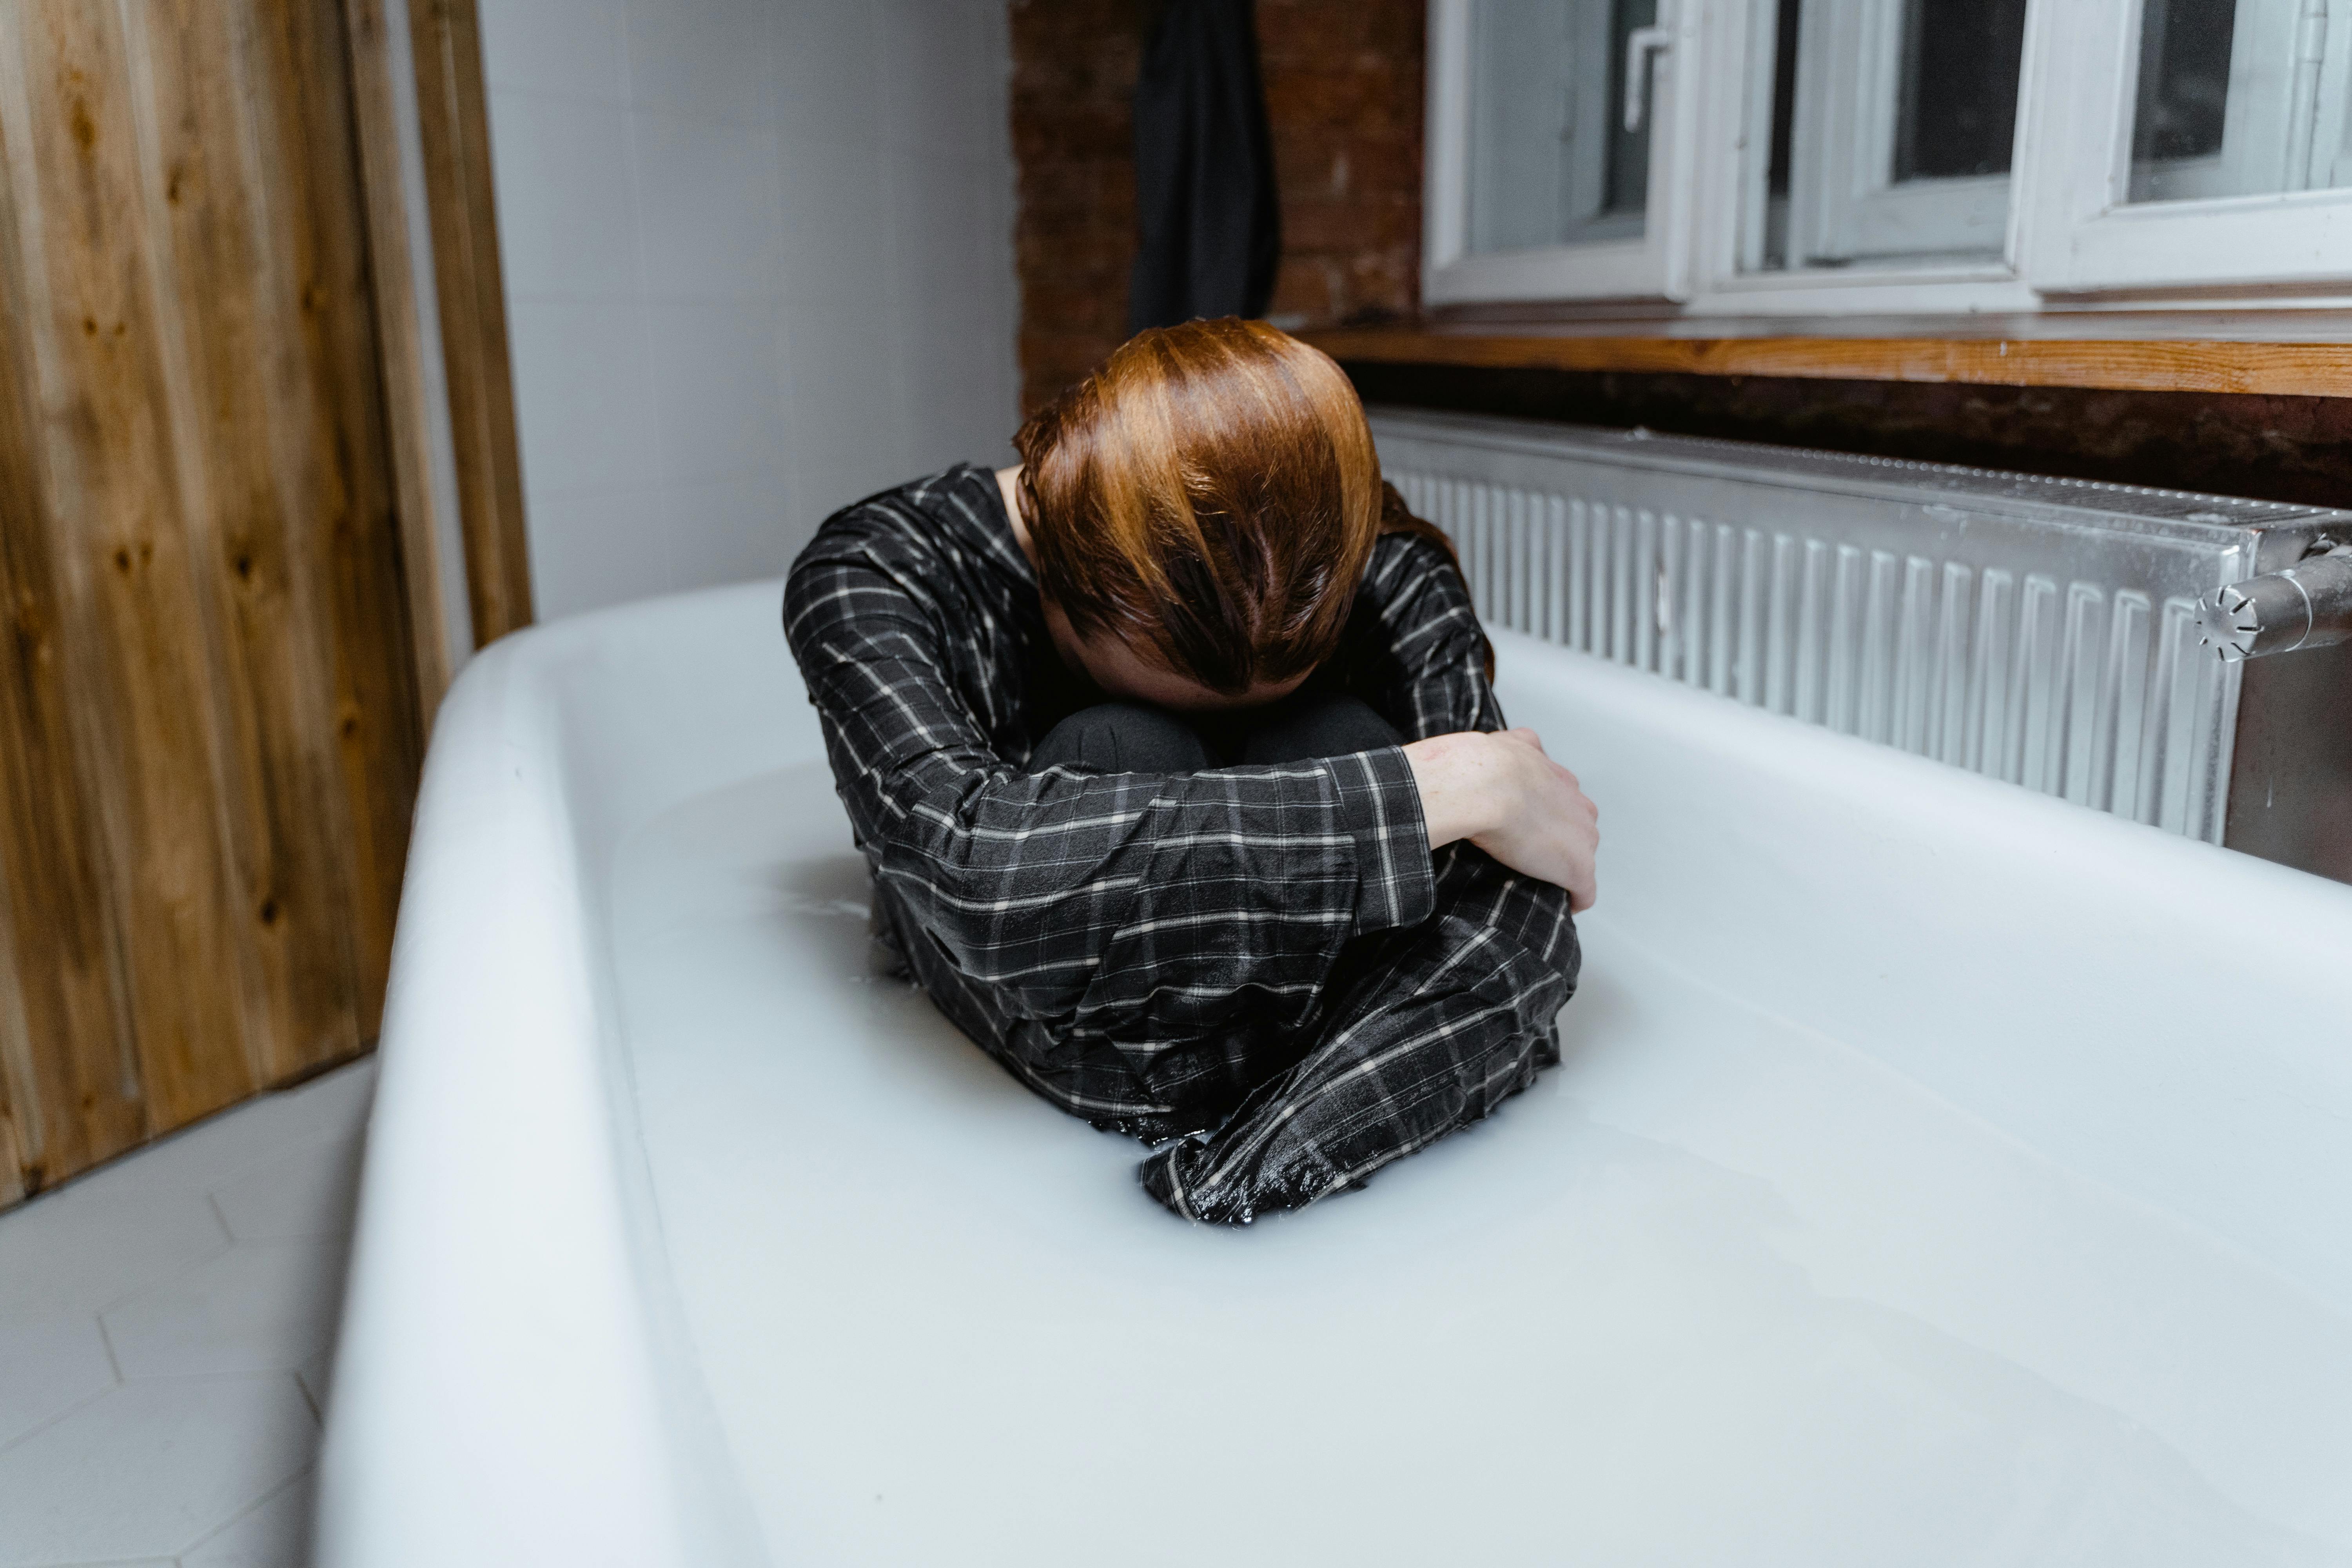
{"x": 2309, "y": 605}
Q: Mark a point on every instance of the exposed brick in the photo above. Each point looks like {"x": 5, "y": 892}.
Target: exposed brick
{"x": 1380, "y": 167}
{"x": 1346, "y": 102}
{"x": 1074, "y": 132}
{"x": 1314, "y": 228}
{"x": 1343, "y": 86}
{"x": 1080, "y": 305}
{"x": 1307, "y": 286}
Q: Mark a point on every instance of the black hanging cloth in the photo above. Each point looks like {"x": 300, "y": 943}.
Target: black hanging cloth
{"x": 1209, "y": 229}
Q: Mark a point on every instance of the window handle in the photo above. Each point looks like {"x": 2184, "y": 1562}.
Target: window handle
{"x": 1640, "y": 45}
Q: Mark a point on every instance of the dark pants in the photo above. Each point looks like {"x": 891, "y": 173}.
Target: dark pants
{"x": 1130, "y": 738}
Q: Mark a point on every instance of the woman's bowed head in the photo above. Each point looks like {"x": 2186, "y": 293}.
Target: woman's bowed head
{"x": 1199, "y": 512}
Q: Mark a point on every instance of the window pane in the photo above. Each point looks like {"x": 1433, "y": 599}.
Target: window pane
{"x": 1959, "y": 88}
{"x": 2239, "y": 98}
{"x": 2184, "y": 79}
{"x": 1892, "y": 130}
{"x": 1551, "y": 160}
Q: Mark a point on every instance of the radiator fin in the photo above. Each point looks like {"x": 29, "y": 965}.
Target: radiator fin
{"x": 2089, "y": 690}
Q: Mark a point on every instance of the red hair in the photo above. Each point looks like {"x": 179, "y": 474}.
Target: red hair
{"x": 1209, "y": 496}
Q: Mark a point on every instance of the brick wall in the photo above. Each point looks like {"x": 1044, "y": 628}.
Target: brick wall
{"x": 1343, "y": 95}
{"x": 1343, "y": 98}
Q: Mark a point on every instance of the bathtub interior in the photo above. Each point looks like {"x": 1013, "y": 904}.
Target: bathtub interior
{"x": 1911, "y": 1189}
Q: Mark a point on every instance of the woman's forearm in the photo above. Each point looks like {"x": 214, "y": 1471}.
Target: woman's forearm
{"x": 1501, "y": 793}
{"x": 1456, "y": 777}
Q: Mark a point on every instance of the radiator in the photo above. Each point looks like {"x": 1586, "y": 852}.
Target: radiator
{"x": 2035, "y": 630}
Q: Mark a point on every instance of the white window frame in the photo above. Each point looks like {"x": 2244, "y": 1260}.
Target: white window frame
{"x": 1655, "y": 267}
{"x": 1847, "y": 205}
{"x": 2071, "y": 240}
{"x": 1729, "y": 282}
{"x": 2255, "y": 153}
{"x": 2087, "y": 237}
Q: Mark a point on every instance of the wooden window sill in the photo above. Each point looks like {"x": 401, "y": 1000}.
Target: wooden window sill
{"x": 2305, "y": 353}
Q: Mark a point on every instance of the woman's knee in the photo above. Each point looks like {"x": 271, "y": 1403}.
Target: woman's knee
{"x": 1123, "y": 738}
{"x": 1319, "y": 726}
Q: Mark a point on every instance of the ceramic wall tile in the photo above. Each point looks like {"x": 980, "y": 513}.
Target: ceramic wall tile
{"x": 715, "y": 59}
{"x": 567, "y": 211}
{"x": 734, "y": 530}
{"x": 713, "y": 224}
{"x": 828, "y": 82}
{"x": 752, "y": 170}
{"x": 719, "y": 393}
{"x": 570, "y": 47}
{"x": 940, "y": 77}
{"x": 597, "y": 547}
{"x": 583, "y": 394}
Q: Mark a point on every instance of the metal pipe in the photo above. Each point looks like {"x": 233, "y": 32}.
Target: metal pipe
{"x": 2309, "y": 605}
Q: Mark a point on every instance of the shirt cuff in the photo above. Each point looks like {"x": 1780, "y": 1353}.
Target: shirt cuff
{"x": 1380, "y": 807}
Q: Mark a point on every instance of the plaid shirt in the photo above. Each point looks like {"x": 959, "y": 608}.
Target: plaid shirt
{"x": 1265, "y": 965}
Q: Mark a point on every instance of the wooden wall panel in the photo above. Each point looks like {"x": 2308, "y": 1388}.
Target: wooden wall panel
{"x": 453, "y": 114}
{"x": 378, "y": 85}
{"x": 132, "y": 602}
{"x": 209, "y": 710}
{"x": 69, "y": 1083}
{"x": 251, "y": 488}
{"x": 379, "y": 744}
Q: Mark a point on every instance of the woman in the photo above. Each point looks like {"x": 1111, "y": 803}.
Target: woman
{"x": 1175, "y": 759}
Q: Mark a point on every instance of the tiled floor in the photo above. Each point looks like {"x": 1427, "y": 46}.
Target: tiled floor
{"x": 166, "y": 1326}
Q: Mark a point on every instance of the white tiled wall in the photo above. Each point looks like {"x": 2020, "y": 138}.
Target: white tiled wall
{"x": 759, "y": 263}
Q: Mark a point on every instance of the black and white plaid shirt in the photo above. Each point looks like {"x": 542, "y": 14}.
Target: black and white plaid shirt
{"x": 1264, "y": 965}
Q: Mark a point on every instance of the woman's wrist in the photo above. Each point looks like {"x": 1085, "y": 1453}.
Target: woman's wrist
{"x": 1457, "y": 777}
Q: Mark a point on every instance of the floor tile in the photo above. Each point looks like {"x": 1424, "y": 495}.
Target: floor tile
{"x": 81, "y": 1249}
{"x": 231, "y": 1144}
{"x": 259, "y": 1306}
{"x": 275, "y": 1534}
{"x": 150, "y": 1468}
{"x": 46, "y": 1367}
{"x": 334, "y": 1104}
{"x": 307, "y": 1191}
{"x": 317, "y": 1376}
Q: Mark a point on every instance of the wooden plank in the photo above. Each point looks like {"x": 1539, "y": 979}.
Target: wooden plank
{"x": 400, "y": 339}
{"x": 134, "y": 667}
{"x": 12, "y": 1162}
{"x": 453, "y": 107}
{"x": 68, "y": 1073}
{"x": 377, "y": 730}
{"x": 210, "y": 718}
{"x": 2299, "y": 368}
{"x": 19, "y": 1070}
{"x": 241, "y": 395}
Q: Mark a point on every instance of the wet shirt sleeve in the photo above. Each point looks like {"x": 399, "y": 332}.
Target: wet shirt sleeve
{"x": 1067, "y": 890}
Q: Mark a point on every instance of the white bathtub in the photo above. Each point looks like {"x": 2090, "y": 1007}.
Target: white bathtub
{"x": 1938, "y": 1173}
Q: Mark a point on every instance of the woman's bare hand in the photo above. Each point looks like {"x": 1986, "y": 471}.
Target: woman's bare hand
{"x": 1503, "y": 794}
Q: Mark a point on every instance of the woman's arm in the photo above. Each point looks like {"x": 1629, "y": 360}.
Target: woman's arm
{"x": 1089, "y": 897}
{"x": 1503, "y": 794}
{"x": 1477, "y": 781}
